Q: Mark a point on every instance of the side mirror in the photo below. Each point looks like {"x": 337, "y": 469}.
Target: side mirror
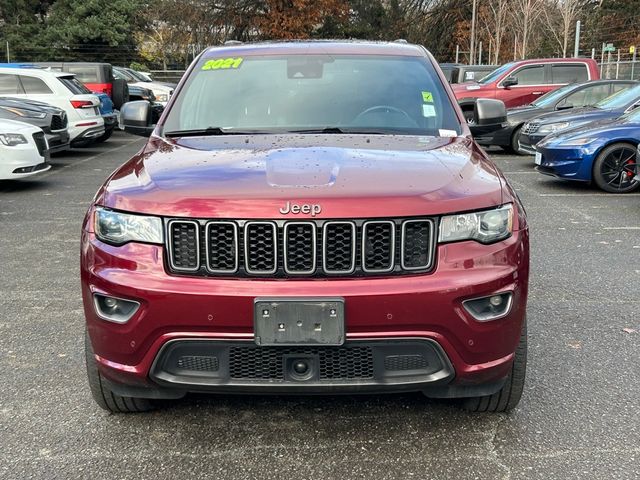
{"x": 488, "y": 111}
{"x": 564, "y": 105}
{"x": 136, "y": 117}
{"x": 509, "y": 82}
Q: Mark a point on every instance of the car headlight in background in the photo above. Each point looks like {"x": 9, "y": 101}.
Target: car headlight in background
{"x": 24, "y": 113}
{"x": 487, "y": 226}
{"x": 12, "y": 139}
{"x": 161, "y": 97}
{"x": 119, "y": 228}
{"x": 554, "y": 127}
{"x": 578, "y": 142}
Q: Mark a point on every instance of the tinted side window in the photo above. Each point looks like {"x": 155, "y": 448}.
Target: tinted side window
{"x": 86, "y": 74}
{"x": 74, "y": 86}
{"x": 569, "y": 73}
{"x": 530, "y": 75}
{"x": 33, "y": 85}
{"x": 9, "y": 84}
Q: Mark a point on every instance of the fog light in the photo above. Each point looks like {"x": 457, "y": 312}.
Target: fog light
{"x": 113, "y": 309}
{"x": 489, "y": 308}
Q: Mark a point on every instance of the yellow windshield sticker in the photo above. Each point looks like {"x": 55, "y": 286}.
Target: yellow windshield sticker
{"x": 427, "y": 97}
{"x": 222, "y": 63}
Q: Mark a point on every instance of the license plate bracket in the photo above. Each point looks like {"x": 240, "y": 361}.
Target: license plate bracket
{"x": 538, "y": 158}
{"x": 299, "y": 321}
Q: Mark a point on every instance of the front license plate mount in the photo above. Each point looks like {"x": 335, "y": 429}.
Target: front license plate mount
{"x": 299, "y": 321}
{"x": 538, "y": 159}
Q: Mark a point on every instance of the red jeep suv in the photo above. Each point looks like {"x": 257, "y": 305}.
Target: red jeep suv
{"x": 522, "y": 82}
{"x": 307, "y": 217}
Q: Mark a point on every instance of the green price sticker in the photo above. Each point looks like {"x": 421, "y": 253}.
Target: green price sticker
{"x": 222, "y": 64}
{"x": 427, "y": 97}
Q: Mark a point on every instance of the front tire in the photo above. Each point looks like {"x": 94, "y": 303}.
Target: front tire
{"x": 508, "y": 397}
{"x": 103, "y": 395}
{"x": 615, "y": 168}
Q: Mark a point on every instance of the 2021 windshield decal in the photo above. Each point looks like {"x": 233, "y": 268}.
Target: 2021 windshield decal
{"x": 223, "y": 63}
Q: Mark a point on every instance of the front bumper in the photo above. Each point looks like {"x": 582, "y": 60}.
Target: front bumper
{"x": 21, "y": 161}
{"x": 421, "y": 308}
{"x": 58, "y": 141}
{"x": 567, "y": 163}
{"x": 528, "y": 142}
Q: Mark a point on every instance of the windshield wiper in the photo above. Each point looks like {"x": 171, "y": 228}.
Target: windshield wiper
{"x": 336, "y": 130}
{"x": 198, "y": 132}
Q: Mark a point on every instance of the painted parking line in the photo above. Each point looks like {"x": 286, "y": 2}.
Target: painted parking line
{"x": 606, "y": 195}
{"x": 88, "y": 159}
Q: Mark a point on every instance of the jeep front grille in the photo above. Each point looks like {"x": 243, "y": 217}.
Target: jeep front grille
{"x": 306, "y": 248}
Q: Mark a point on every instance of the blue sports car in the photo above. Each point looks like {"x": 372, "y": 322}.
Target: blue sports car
{"x": 602, "y": 152}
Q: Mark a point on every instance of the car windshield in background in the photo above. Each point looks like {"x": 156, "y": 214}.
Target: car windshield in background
{"x": 74, "y": 85}
{"x": 549, "y": 99}
{"x": 313, "y": 93}
{"x": 495, "y": 74}
{"x": 621, "y": 99}
{"x": 632, "y": 117}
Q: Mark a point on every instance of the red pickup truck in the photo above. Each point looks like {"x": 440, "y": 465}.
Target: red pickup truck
{"x": 520, "y": 83}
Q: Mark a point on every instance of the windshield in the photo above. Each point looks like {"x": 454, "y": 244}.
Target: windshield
{"x": 621, "y": 99}
{"x": 549, "y": 99}
{"x": 337, "y": 93}
{"x": 495, "y": 74}
{"x": 632, "y": 117}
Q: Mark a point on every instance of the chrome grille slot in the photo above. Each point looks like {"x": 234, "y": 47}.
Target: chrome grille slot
{"x": 260, "y": 247}
{"x": 339, "y": 243}
{"x": 184, "y": 245}
{"x": 300, "y": 247}
{"x": 221, "y": 240}
{"x": 530, "y": 128}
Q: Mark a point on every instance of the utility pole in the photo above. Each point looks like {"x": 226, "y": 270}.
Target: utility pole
{"x": 480, "y": 53}
{"x": 473, "y": 33}
{"x": 515, "y": 46}
{"x": 457, "y": 53}
{"x": 602, "y": 59}
{"x": 8, "y": 58}
{"x": 576, "y": 48}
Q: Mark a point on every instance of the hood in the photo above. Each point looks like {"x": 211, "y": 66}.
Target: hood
{"x": 12, "y": 126}
{"x": 355, "y": 176}
{"x": 522, "y": 114}
{"x": 584, "y": 114}
{"x": 31, "y": 105}
{"x": 604, "y": 130}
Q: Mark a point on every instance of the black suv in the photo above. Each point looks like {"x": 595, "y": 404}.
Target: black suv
{"x": 52, "y": 120}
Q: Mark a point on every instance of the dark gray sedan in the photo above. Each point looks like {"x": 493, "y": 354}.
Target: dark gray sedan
{"x": 570, "y": 96}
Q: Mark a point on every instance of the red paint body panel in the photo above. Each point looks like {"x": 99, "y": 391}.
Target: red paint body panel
{"x": 519, "y": 95}
{"x": 427, "y": 306}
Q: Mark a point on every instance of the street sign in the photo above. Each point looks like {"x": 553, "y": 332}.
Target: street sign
{"x": 632, "y": 49}
{"x": 609, "y": 47}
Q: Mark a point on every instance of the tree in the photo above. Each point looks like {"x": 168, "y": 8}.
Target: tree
{"x": 287, "y": 19}
{"x": 560, "y": 17}
{"x": 524, "y": 15}
{"x": 493, "y": 16}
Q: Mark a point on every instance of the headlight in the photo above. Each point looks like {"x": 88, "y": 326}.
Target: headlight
{"x": 578, "y": 142}
{"x": 24, "y": 113}
{"x": 553, "y": 127}
{"x": 161, "y": 97}
{"x": 12, "y": 139}
{"x": 120, "y": 228}
{"x": 488, "y": 226}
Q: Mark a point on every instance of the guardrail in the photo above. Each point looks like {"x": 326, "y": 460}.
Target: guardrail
{"x": 172, "y": 76}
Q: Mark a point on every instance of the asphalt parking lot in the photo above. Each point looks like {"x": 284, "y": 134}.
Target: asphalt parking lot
{"x": 579, "y": 418}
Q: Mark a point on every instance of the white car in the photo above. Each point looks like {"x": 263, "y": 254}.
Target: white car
{"x": 160, "y": 91}
{"x": 61, "y": 90}
{"x": 23, "y": 150}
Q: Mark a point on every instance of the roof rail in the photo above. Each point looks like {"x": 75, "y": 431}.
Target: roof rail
{"x": 232, "y": 42}
{"x": 400, "y": 40}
